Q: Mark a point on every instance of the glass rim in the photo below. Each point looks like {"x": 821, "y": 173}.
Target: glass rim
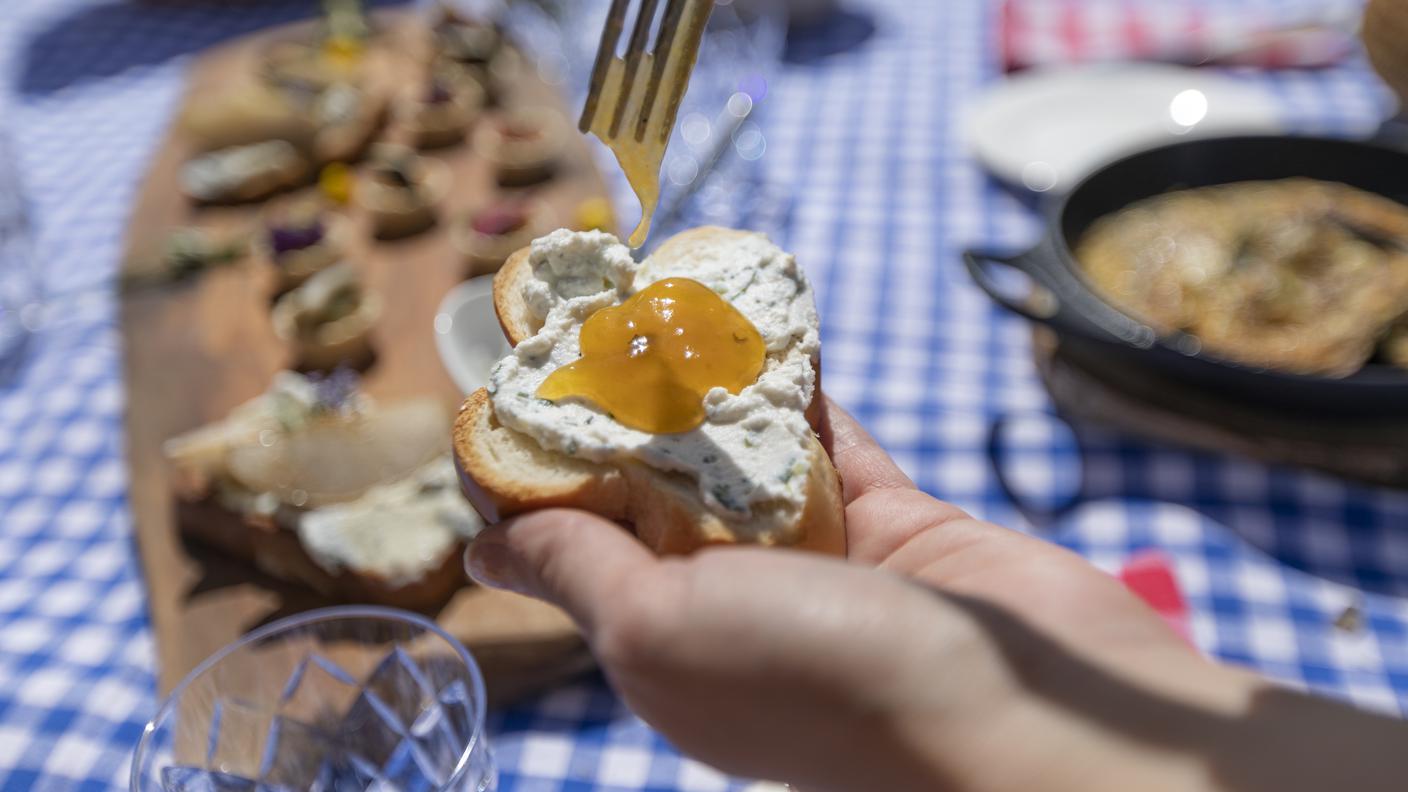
{"x": 336, "y": 612}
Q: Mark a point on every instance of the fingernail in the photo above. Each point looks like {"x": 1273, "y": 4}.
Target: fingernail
{"x": 491, "y": 563}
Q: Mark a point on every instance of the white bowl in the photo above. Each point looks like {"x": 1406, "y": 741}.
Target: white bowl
{"x": 468, "y": 335}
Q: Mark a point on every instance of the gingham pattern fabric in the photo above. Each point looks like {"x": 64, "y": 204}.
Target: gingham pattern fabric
{"x": 883, "y": 197}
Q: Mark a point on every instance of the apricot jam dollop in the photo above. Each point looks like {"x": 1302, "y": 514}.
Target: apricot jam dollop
{"x": 650, "y": 360}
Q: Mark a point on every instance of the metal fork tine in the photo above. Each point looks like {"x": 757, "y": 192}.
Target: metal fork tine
{"x": 691, "y": 38}
{"x": 639, "y": 38}
{"x": 673, "y": 12}
{"x": 610, "y": 35}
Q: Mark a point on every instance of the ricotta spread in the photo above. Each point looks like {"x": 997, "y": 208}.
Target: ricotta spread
{"x": 753, "y": 447}
{"x": 217, "y": 174}
{"x": 340, "y": 104}
{"x": 398, "y": 531}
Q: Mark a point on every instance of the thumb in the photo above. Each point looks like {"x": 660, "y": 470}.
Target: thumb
{"x": 573, "y": 559}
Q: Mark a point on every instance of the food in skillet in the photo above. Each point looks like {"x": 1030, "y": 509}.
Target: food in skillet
{"x": 1298, "y": 275}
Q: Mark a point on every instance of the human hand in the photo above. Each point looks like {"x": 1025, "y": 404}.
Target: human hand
{"x": 945, "y": 653}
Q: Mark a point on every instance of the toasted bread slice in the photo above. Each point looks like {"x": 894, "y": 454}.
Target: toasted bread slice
{"x": 237, "y": 493}
{"x": 276, "y": 551}
{"x": 505, "y": 472}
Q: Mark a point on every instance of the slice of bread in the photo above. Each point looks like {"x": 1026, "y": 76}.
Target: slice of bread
{"x": 505, "y": 472}
{"x": 275, "y": 550}
{"x": 252, "y": 497}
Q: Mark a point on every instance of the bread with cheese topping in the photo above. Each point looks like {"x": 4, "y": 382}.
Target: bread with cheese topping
{"x": 315, "y": 483}
{"x": 505, "y": 471}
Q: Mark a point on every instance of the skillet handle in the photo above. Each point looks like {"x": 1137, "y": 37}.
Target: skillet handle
{"x": 1054, "y": 298}
{"x": 1039, "y": 304}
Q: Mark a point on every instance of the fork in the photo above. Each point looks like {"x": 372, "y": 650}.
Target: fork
{"x": 682, "y": 28}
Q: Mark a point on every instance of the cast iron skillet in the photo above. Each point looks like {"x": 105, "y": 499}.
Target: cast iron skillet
{"x": 1093, "y": 330}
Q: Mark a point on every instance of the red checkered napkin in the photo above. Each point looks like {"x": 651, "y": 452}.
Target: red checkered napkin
{"x": 1050, "y": 32}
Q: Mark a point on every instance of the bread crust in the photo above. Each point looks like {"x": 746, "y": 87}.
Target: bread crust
{"x": 517, "y": 322}
{"x": 504, "y": 472}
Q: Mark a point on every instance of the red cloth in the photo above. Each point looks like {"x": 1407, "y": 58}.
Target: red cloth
{"x": 1050, "y": 32}
{"x": 1150, "y": 576}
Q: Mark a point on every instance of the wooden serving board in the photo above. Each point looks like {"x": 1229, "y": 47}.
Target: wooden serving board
{"x": 196, "y": 349}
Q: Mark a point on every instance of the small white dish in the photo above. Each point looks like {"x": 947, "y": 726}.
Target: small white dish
{"x": 1046, "y": 129}
{"x": 467, "y": 333}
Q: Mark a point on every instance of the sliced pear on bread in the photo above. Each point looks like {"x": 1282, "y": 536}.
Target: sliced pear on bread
{"x": 337, "y": 461}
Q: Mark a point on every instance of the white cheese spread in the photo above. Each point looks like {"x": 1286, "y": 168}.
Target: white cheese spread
{"x": 753, "y": 447}
{"x": 398, "y": 532}
{"x": 340, "y": 103}
{"x": 320, "y": 291}
{"x": 217, "y": 174}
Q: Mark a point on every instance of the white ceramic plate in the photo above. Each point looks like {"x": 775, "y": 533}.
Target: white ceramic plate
{"x": 1045, "y": 129}
{"x": 467, "y": 333}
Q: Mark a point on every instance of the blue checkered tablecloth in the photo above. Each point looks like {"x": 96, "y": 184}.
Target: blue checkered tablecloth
{"x": 883, "y": 197}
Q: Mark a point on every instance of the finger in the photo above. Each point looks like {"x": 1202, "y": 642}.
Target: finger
{"x": 863, "y": 464}
{"x": 573, "y": 559}
{"x": 877, "y": 527}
